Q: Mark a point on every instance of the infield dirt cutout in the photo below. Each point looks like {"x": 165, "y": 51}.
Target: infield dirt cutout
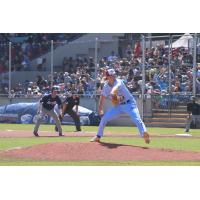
{"x": 91, "y": 151}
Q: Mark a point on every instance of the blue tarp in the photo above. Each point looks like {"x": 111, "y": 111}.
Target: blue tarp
{"x": 25, "y": 113}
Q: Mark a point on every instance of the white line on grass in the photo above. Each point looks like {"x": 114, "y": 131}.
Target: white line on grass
{"x": 14, "y": 148}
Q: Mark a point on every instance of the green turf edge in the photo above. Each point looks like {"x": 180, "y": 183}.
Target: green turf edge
{"x": 111, "y": 129}
{"x": 27, "y": 162}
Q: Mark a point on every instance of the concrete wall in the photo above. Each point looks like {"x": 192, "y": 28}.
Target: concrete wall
{"x": 17, "y": 77}
{"x": 84, "y": 46}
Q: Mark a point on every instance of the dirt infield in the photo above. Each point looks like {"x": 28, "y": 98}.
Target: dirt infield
{"x": 71, "y": 151}
{"x": 76, "y": 151}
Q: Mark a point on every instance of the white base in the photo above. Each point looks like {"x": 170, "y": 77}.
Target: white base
{"x": 184, "y": 135}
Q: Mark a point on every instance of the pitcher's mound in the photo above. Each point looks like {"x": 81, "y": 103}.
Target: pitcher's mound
{"x": 97, "y": 151}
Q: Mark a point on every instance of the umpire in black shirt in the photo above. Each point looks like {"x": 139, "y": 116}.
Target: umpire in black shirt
{"x": 47, "y": 104}
{"x": 193, "y": 110}
{"x": 67, "y": 108}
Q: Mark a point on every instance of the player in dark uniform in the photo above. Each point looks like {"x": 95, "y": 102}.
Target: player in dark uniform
{"x": 67, "y": 108}
{"x": 193, "y": 110}
{"x": 47, "y": 104}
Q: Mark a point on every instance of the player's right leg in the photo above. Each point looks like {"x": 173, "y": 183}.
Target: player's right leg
{"x": 60, "y": 118}
{"x": 57, "y": 121}
{"x": 133, "y": 112}
{"x": 76, "y": 119}
{"x": 189, "y": 120}
{"x": 111, "y": 114}
{"x": 37, "y": 125}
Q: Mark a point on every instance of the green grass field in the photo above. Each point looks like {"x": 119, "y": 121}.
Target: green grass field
{"x": 118, "y": 129}
{"x": 181, "y": 143}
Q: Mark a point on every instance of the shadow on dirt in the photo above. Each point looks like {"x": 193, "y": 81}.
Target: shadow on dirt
{"x": 114, "y": 145}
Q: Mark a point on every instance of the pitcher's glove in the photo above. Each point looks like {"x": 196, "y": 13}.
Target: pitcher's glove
{"x": 115, "y": 99}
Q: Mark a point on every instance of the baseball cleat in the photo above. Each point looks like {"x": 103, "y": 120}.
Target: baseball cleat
{"x": 35, "y": 134}
{"x": 60, "y": 134}
{"x": 146, "y": 138}
{"x": 95, "y": 139}
{"x": 79, "y": 130}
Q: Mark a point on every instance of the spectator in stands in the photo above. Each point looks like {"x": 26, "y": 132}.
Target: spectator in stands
{"x": 176, "y": 62}
{"x": 29, "y": 93}
{"x": 91, "y": 66}
{"x": 67, "y": 78}
{"x": 112, "y": 57}
{"x": 71, "y": 65}
{"x": 65, "y": 65}
{"x": 39, "y": 64}
{"x": 80, "y": 71}
{"x": 26, "y": 63}
{"x": 198, "y": 85}
{"x": 2, "y": 67}
{"x": 198, "y": 71}
{"x": 137, "y": 50}
{"x": 176, "y": 87}
{"x": 80, "y": 89}
{"x": 198, "y": 53}
{"x": 129, "y": 52}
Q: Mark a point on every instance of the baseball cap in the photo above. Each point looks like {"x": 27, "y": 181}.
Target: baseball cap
{"x": 110, "y": 72}
{"x": 55, "y": 88}
{"x": 192, "y": 98}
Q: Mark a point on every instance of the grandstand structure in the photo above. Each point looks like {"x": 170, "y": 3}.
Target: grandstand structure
{"x": 161, "y": 70}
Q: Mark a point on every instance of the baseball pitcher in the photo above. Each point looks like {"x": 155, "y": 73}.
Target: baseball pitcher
{"x": 123, "y": 102}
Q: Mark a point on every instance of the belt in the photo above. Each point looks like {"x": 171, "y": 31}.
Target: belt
{"x": 128, "y": 101}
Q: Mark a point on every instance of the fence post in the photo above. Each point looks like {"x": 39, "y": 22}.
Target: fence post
{"x": 51, "y": 63}
{"x": 170, "y": 74}
{"x": 143, "y": 74}
{"x": 150, "y": 40}
{"x": 9, "y": 74}
{"x": 96, "y": 65}
{"x": 194, "y": 63}
{"x": 169, "y": 61}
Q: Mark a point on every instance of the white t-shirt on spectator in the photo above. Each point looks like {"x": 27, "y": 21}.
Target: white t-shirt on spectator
{"x": 39, "y": 61}
{"x": 198, "y": 73}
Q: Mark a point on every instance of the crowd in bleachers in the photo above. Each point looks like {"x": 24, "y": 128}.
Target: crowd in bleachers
{"x": 27, "y": 46}
{"x": 78, "y": 75}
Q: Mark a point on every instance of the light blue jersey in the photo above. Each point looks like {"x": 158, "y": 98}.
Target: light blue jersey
{"x": 126, "y": 106}
{"x": 123, "y": 92}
